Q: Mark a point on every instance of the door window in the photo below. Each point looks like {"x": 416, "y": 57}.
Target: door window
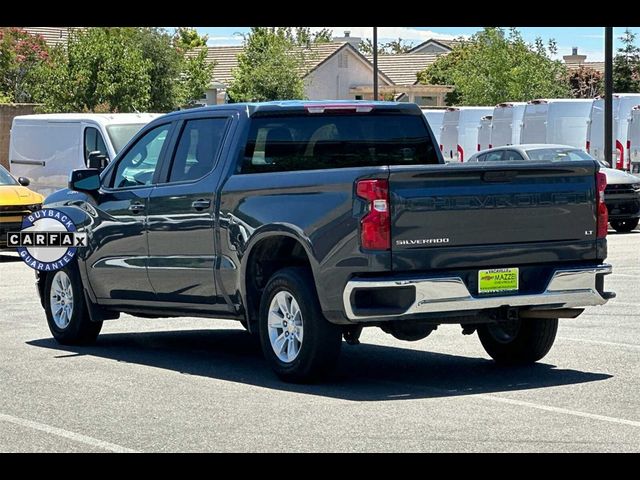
{"x": 197, "y": 149}
{"x": 93, "y": 142}
{"x": 137, "y": 166}
{"x": 512, "y": 155}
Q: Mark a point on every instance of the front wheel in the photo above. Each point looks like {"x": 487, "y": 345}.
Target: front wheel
{"x": 519, "y": 341}
{"x": 297, "y": 341}
{"x": 624, "y": 226}
{"x": 66, "y": 310}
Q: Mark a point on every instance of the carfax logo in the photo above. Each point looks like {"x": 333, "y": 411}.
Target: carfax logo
{"x": 48, "y": 240}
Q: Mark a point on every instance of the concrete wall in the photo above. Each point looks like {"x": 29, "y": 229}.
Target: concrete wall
{"x": 7, "y": 112}
{"x": 333, "y": 79}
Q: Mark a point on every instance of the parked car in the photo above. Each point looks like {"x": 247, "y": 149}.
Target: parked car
{"x": 506, "y": 123}
{"x": 623, "y": 103}
{"x": 622, "y": 194}
{"x": 434, "y": 119}
{"x": 459, "y": 135}
{"x": 307, "y": 221}
{"x": 633, "y": 139}
{"x": 484, "y": 133}
{"x": 16, "y": 201}
{"x": 46, "y": 148}
{"x": 556, "y": 121}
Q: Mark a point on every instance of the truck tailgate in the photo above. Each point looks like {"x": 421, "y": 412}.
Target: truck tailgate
{"x": 469, "y": 215}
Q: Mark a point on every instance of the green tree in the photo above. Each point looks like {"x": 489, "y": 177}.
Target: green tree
{"x": 101, "y": 70}
{"x": 493, "y": 66}
{"x": 121, "y": 70}
{"x": 394, "y": 47}
{"x": 187, "y": 38}
{"x": 196, "y": 77}
{"x": 269, "y": 67}
{"x": 626, "y": 65}
{"x": 20, "y": 55}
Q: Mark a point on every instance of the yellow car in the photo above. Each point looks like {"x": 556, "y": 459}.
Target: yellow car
{"x": 16, "y": 201}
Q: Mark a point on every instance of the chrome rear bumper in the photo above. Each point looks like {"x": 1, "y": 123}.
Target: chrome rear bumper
{"x": 568, "y": 288}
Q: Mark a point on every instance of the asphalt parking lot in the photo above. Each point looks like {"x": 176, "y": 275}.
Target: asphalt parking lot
{"x": 201, "y": 385}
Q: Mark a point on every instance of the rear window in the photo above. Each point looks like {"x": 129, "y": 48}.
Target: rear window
{"x": 558, "y": 154}
{"x": 311, "y": 142}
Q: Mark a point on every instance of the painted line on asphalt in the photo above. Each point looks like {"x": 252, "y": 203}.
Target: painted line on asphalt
{"x": 600, "y": 342}
{"x": 566, "y": 411}
{"x": 77, "y": 437}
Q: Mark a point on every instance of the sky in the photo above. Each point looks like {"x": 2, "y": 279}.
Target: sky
{"x": 589, "y": 40}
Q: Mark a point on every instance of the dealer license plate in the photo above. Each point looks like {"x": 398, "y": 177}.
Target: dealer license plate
{"x": 498, "y": 280}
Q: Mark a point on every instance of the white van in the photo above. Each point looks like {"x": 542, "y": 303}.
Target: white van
{"x": 459, "y": 135}
{"x": 623, "y": 103}
{"x": 46, "y": 148}
{"x": 507, "y": 123}
{"x": 560, "y": 121}
{"x": 484, "y": 133}
{"x": 434, "y": 119}
{"x": 633, "y": 140}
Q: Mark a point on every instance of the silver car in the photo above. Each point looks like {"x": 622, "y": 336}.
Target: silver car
{"x": 622, "y": 195}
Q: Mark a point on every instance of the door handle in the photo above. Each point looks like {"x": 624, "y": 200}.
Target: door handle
{"x": 136, "y": 207}
{"x": 201, "y": 204}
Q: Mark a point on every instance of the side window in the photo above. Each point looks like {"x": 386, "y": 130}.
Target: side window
{"x": 93, "y": 142}
{"x": 512, "y": 155}
{"x": 493, "y": 156}
{"x": 139, "y": 164}
{"x": 197, "y": 149}
{"x": 481, "y": 158}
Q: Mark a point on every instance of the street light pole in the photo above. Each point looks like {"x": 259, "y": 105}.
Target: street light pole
{"x": 375, "y": 63}
{"x": 608, "y": 96}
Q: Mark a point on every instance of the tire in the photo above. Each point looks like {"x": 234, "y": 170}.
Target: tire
{"x": 624, "y": 226}
{"x": 70, "y": 326}
{"x": 520, "y": 341}
{"x": 309, "y": 344}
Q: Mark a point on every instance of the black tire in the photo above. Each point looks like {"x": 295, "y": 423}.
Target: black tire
{"x": 80, "y": 330}
{"x": 624, "y": 226}
{"x": 321, "y": 341}
{"x": 519, "y": 342}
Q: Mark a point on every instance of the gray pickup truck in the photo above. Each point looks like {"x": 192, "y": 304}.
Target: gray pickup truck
{"x": 307, "y": 221}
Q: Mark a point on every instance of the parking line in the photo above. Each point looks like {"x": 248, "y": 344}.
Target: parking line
{"x": 601, "y": 342}
{"x": 565, "y": 411}
{"x": 77, "y": 437}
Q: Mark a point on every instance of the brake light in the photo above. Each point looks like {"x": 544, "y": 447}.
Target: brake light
{"x": 461, "y": 153}
{"x": 588, "y": 146}
{"x": 375, "y": 226}
{"x": 603, "y": 214}
{"x": 321, "y": 108}
{"x": 620, "y": 159}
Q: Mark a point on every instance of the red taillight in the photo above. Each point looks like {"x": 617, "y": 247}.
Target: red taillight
{"x": 461, "y": 153}
{"x": 375, "y": 226}
{"x": 490, "y": 145}
{"x": 603, "y": 214}
{"x": 628, "y": 144}
{"x": 440, "y": 147}
{"x": 478, "y": 147}
{"x": 588, "y": 146}
{"x": 620, "y": 159}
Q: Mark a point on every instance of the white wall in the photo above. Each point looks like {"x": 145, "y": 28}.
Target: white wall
{"x": 431, "y": 48}
{"x": 332, "y": 80}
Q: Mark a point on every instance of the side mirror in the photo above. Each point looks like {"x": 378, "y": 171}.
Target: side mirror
{"x": 85, "y": 180}
{"x": 97, "y": 160}
{"x": 24, "y": 181}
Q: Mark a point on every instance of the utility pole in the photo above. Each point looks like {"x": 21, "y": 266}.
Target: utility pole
{"x": 608, "y": 96}
{"x": 375, "y": 63}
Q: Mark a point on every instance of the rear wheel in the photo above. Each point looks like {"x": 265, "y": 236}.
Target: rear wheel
{"x": 297, "y": 341}
{"x": 519, "y": 341}
{"x": 624, "y": 225}
{"x": 66, "y": 310}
